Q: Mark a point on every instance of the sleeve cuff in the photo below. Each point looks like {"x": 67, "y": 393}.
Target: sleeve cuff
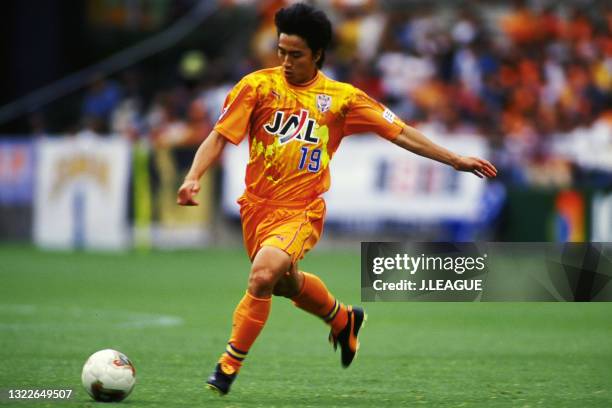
{"x": 233, "y": 139}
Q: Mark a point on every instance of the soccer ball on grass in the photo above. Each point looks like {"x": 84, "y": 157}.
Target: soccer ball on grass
{"x": 108, "y": 376}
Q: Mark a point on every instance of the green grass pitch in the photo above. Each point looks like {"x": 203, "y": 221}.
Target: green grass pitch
{"x": 170, "y": 313}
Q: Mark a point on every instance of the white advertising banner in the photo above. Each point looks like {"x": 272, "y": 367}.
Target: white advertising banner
{"x": 374, "y": 180}
{"x": 81, "y": 193}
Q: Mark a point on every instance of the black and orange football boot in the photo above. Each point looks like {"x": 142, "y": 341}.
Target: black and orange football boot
{"x": 347, "y": 338}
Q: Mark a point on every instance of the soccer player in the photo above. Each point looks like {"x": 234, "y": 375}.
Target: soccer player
{"x": 295, "y": 118}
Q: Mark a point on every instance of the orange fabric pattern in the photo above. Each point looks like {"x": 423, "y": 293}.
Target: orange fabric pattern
{"x": 294, "y": 131}
{"x": 295, "y": 228}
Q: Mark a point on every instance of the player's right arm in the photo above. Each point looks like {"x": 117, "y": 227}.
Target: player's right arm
{"x": 207, "y": 154}
{"x": 232, "y": 126}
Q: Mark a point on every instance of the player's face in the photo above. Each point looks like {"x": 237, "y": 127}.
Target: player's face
{"x": 297, "y": 59}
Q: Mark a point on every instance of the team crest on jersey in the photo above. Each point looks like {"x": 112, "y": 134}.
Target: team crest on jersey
{"x": 299, "y": 127}
{"x": 323, "y": 102}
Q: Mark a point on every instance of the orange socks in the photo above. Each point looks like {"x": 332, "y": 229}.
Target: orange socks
{"x": 316, "y": 299}
{"x": 249, "y": 318}
{"x": 251, "y": 314}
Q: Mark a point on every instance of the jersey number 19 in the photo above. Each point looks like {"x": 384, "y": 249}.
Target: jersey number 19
{"x": 314, "y": 159}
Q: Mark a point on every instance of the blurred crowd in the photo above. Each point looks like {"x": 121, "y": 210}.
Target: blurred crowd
{"x": 519, "y": 74}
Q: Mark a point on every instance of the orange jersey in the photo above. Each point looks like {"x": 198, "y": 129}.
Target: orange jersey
{"x": 294, "y": 131}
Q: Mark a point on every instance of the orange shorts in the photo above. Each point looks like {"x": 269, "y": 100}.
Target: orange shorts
{"x": 294, "y": 227}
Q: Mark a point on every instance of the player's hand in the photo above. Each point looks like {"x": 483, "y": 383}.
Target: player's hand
{"x": 480, "y": 167}
{"x": 187, "y": 192}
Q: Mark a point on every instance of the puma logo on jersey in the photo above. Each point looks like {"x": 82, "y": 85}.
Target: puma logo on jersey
{"x": 298, "y": 127}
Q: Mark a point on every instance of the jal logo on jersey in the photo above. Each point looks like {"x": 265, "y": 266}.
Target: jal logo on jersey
{"x": 299, "y": 127}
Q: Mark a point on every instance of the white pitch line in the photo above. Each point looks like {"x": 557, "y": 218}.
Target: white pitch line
{"x": 124, "y": 319}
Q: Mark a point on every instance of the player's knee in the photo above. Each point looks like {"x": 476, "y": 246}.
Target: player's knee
{"x": 262, "y": 281}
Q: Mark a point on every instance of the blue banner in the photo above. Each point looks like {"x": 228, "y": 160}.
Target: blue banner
{"x": 16, "y": 172}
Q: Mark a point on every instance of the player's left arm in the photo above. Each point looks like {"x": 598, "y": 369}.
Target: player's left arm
{"x": 413, "y": 140}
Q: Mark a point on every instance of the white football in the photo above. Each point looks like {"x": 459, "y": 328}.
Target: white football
{"x": 108, "y": 376}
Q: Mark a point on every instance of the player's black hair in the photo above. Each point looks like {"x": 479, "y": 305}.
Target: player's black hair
{"x": 307, "y": 22}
